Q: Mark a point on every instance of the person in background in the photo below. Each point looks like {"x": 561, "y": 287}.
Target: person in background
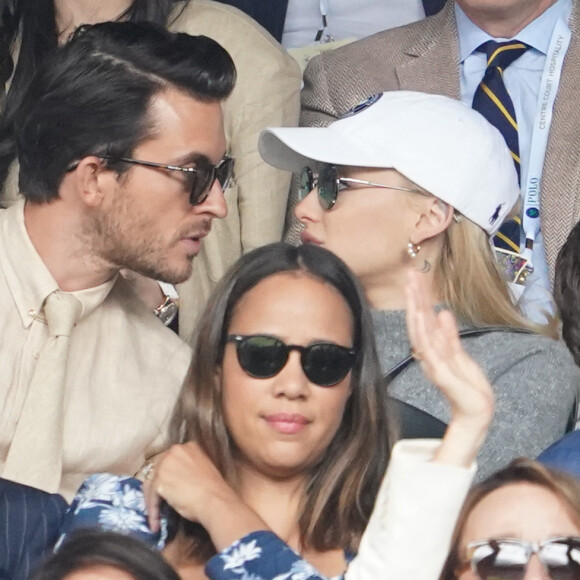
{"x": 266, "y": 93}
{"x": 412, "y": 181}
{"x": 30, "y": 521}
{"x": 565, "y": 453}
{"x": 296, "y": 24}
{"x": 567, "y": 291}
{"x": 522, "y": 523}
{"x": 99, "y": 555}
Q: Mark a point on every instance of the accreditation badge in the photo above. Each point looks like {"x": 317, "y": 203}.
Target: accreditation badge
{"x": 516, "y": 268}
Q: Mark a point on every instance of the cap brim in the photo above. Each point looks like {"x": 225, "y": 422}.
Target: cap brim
{"x": 291, "y": 148}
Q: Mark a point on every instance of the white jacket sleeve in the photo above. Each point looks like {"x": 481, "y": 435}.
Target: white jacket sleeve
{"x": 410, "y": 529}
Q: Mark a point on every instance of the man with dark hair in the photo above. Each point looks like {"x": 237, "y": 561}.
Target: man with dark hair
{"x": 515, "y": 61}
{"x": 121, "y": 148}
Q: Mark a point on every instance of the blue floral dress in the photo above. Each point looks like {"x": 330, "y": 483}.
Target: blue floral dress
{"x": 117, "y": 503}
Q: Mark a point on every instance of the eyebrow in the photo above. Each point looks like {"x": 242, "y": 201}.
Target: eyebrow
{"x": 193, "y": 158}
{"x": 190, "y": 158}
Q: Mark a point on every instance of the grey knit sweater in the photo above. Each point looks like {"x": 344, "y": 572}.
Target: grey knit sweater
{"x": 534, "y": 378}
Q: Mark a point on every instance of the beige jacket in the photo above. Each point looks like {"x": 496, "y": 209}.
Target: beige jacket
{"x": 424, "y": 56}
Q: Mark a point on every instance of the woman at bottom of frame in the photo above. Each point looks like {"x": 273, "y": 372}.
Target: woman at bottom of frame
{"x": 281, "y": 436}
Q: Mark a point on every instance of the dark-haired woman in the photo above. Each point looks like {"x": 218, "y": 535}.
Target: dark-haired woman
{"x": 282, "y": 438}
{"x": 99, "y": 555}
{"x": 266, "y": 93}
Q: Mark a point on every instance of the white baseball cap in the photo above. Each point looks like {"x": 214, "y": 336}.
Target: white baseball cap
{"x": 439, "y": 143}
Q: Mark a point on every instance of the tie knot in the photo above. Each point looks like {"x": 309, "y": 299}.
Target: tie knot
{"x": 62, "y": 310}
{"x": 502, "y": 54}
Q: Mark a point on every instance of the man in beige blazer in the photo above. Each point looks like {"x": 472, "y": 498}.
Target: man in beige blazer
{"x": 425, "y": 56}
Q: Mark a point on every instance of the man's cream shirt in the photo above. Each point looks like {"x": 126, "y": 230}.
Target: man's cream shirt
{"x": 124, "y": 371}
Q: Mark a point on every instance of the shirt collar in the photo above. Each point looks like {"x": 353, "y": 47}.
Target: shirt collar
{"x": 27, "y": 276}
{"x": 536, "y": 34}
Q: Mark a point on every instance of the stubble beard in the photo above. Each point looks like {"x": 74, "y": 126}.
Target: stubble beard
{"x": 120, "y": 239}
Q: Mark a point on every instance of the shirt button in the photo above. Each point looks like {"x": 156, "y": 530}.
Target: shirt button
{"x": 36, "y": 354}
{"x": 32, "y": 312}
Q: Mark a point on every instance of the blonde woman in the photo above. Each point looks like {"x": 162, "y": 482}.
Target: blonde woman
{"x": 409, "y": 181}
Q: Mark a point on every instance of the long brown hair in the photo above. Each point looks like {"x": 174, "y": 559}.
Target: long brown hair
{"x": 565, "y": 487}
{"x": 341, "y": 488}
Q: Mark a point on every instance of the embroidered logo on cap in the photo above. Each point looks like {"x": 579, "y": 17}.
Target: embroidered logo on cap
{"x": 495, "y": 215}
{"x": 362, "y": 106}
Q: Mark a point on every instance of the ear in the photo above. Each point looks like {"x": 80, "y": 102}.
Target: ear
{"x": 93, "y": 181}
{"x": 434, "y": 218}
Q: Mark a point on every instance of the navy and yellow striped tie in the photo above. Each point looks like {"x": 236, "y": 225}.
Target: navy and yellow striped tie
{"x": 492, "y": 100}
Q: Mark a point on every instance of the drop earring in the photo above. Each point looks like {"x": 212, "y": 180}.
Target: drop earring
{"x": 413, "y": 250}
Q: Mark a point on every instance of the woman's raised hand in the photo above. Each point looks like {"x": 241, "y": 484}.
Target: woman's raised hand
{"x": 437, "y": 346}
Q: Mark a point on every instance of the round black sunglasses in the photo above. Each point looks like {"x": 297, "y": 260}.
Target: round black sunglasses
{"x": 324, "y": 363}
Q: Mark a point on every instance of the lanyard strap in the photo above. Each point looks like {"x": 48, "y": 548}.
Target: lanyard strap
{"x": 542, "y": 120}
{"x": 322, "y": 34}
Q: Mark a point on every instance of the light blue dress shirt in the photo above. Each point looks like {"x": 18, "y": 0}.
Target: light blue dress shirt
{"x": 345, "y": 18}
{"x": 522, "y": 80}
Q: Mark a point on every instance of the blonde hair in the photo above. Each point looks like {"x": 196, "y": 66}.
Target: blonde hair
{"x": 470, "y": 282}
{"x": 468, "y": 277}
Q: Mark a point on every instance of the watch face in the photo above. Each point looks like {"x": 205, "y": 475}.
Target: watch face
{"x": 167, "y": 312}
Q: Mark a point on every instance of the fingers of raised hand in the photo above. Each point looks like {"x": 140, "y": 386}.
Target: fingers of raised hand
{"x": 437, "y": 345}
{"x": 152, "y": 499}
{"x": 431, "y": 336}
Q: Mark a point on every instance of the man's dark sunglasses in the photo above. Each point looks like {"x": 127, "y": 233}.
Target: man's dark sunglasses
{"x": 324, "y": 363}
{"x": 201, "y": 177}
{"x": 508, "y": 559}
{"x": 329, "y": 184}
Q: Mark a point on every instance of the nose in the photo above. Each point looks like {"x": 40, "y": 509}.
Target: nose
{"x": 215, "y": 202}
{"x": 309, "y": 209}
{"x": 536, "y": 570}
{"x": 291, "y": 382}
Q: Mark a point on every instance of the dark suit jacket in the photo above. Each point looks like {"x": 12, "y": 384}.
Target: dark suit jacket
{"x": 424, "y": 56}
{"x": 272, "y": 13}
{"x": 29, "y": 526}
